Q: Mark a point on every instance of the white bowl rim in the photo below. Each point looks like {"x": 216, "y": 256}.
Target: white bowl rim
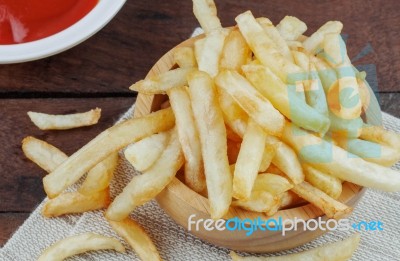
{"x": 96, "y": 19}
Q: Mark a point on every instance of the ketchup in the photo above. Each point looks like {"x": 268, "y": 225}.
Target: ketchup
{"x": 29, "y": 20}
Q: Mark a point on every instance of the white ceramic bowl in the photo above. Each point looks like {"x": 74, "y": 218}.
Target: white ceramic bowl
{"x": 96, "y": 19}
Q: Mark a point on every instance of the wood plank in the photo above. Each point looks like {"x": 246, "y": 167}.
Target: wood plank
{"x": 113, "y": 59}
{"x": 21, "y": 187}
{"x": 9, "y": 222}
{"x": 365, "y": 22}
{"x": 390, "y": 103}
{"x": 125, "y": 49}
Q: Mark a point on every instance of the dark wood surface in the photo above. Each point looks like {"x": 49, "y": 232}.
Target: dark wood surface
{"x": 99, "y": 71}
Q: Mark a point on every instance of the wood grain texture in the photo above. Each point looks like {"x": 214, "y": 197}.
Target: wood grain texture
{"x": 21, "y": 188}
{"x": 124, "y": 51}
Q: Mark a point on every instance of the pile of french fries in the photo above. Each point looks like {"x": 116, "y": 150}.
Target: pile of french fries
{"x": 256, "y": 119}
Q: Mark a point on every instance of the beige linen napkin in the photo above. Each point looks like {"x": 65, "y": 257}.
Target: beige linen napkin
{"x": 174, "y": 243}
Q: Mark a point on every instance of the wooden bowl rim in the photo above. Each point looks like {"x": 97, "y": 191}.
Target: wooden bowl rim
{"x": 145, "y": 104}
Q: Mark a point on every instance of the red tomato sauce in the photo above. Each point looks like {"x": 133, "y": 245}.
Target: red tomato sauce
{"x": 24, "y": 21}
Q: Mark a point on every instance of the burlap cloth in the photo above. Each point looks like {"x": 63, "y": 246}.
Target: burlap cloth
{"x": 174, "y": 243}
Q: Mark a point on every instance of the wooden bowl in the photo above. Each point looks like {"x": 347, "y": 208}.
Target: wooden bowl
{"x": 180, "y": 202}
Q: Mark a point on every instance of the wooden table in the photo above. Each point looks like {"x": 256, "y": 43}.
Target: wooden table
{"x": 99, "y": 71}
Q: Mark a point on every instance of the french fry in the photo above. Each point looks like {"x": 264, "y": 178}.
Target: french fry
{"x": 206, "y": 13}
{"x": 370, "y": 151}
{"x": 272, "y": 183}
{"x": 274, "y": 35}
{"x": 289, "y": 199}
{"x": 328, "y": 79}
{"x": 286, "y": 155}
{"x": 380, "y": 135}
{"x": 145, "y": 152}
{"x": 99, "y": 177}
{"x": 259, "y": 201}
{"x": 294, "y": 45}
{"x": 297, "y": 110}
{"x": 313, "y": 90}
{"x": 335, "y": 54}
{"x": 161, "y": 83}
{"x": 199, "y": 47}
{"x": 313, "y": 43}
{"x": 337, "y": 251}
{"x": 249, "y": 160}
{"x": 184, "y": 57}
{"x": 209, "y": 50}
{"x": 270, "y": 149}
{"x": 337, "y": 162}
{"x": 188, "y": 137}
{"x": 254, "y": 61}
{"x": 349, "y": 128}
{"x": 256, "y": 105}
{"x": 291, "y": 28}
{"x": 302, "y": 38}
{"x": 315, "y": 95}
{"x": 103, "y": 145}
{"x": 235, "y": 53}
{"x": 147, "y": 186}
{"x": 210, "y": 124}
{"x": 330, "y": 82}
{"x": 275, "y": 184}
{"x": 275, "y": 207}
{"x": 43, "y": 154}
{"x": 331, "y": 207}
{"x": 79, "y": 244}
{"x": 64, "y": 122}
{"x": 302, "y": 60}
{"x": 286, "y": 160}
{"x": 264, "y": 49}
{"x": 49, "y": 158}
{"x": 75, "y": 202}
{"x": 330, "y": 185}
{"x": 234, "y": 116}
{"x": 137, "y": 238}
